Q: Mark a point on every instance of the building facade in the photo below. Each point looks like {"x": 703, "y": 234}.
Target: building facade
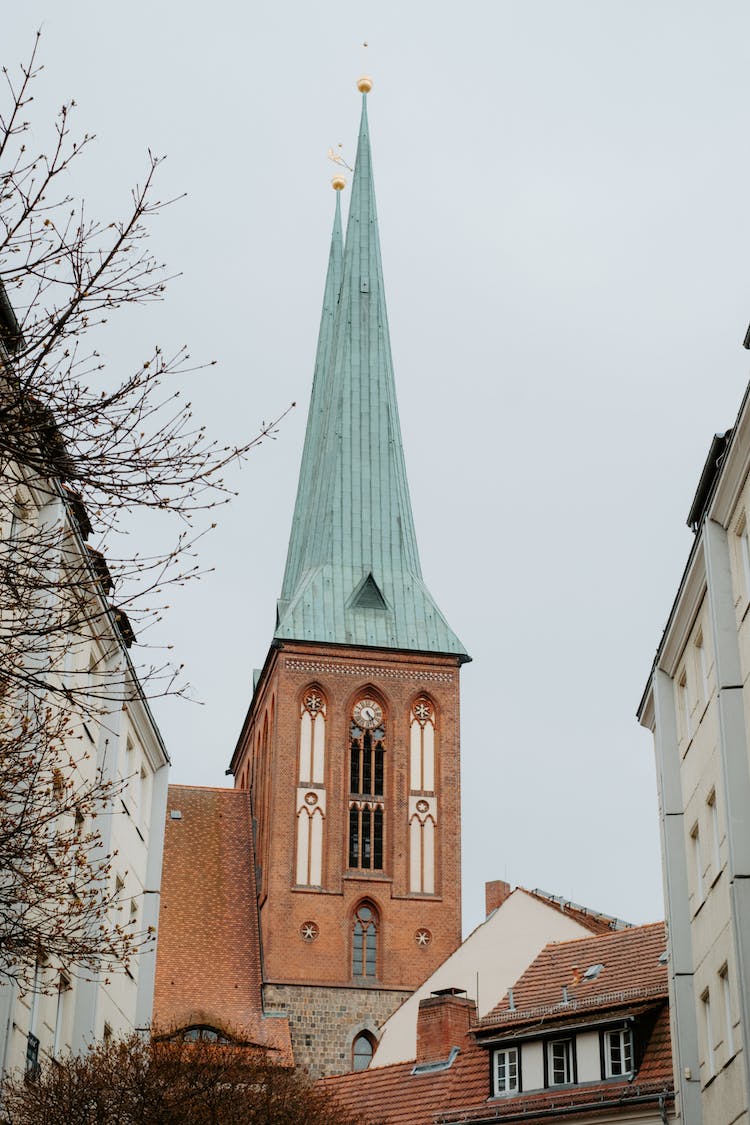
{"x": 697, "y": 705}
{"x": 350, "y": 748}
{"x": 111, "y": 741}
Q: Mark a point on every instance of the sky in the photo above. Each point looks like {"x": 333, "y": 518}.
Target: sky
{"x": 562, "y": 194}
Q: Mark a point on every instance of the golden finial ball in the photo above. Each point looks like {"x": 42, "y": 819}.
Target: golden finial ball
{"x": 338, "y": 183}
{"x": 364, "y": 85}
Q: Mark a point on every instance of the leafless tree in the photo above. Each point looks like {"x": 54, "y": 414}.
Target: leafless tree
{"x": 82, "y": 447}
{"x": 132, "y": 1082}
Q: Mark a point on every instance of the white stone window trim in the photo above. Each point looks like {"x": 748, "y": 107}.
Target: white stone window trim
{"x": 700, "y": 892}
{"x": 713, "y": 816}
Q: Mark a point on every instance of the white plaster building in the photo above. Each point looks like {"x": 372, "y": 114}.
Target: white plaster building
{"x": 697, "y": 704}
{"x": 519, "y": 924}
{"x": 64, "y": 1012}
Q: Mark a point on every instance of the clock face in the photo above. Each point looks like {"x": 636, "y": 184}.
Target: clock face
{"x": 368, "y": 714}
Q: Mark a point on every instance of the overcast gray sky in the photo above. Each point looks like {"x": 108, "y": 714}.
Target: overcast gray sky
{"x": 563, "y": 199}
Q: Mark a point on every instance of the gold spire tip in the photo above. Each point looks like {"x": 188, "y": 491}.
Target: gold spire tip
{"x": 338, "y": 183}
{"x": 364, "y": 84}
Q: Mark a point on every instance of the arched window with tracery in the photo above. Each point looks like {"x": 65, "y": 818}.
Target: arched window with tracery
{"x": 367, "y": 737}
{"x": 365, "y": 942}
{"x": 311, "y": 794}
{"x": 423, "y": 804}
{"x": 363, "y": 1049}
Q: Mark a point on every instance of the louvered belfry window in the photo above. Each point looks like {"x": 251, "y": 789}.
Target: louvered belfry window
{"x": 366, "y": 792}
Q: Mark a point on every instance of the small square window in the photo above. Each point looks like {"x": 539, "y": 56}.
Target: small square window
{"x": 506, "y": 1071}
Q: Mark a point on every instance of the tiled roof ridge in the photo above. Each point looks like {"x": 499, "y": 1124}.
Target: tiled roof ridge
{"x": 603, "y": 999}
{"x": 630, "y": 934}
{"x": 209, "y": 788}
{"x": 610, "y": 1096}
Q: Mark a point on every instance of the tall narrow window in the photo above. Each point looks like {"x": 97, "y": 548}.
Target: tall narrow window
{"x": 422, "y": 816}
{"x": 703, "y": 666}
{"x": 684, "y": 700}
{"x": 362, "y": 1051}
{"x": 365, "y": 942}
{"x": 708, "y": 1031}
{"x": 311, "y": 794}
{"x": 63, "y": 989}
{"x": 560, "y": 1062}
{"x": 728, "y": 1021}
{"x": 697, "y": 863}
{"x": 422, "y": 746}
{"x": 312, "y": 737}
{"x": 742, "y": 532}
{"x": 715, "y": 839}
{"x": 366, "y": 786}
{"x": 506, "y": 1071}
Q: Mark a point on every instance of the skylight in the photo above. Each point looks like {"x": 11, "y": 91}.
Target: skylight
{"x": 592, "y": 972}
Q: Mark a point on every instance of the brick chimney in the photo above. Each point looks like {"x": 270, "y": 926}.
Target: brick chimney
{"x": 495, "y": 894}
{"x": 442, "y": 1023}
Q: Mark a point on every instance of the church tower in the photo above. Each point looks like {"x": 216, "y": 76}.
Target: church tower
{"x": 350, "y": 748}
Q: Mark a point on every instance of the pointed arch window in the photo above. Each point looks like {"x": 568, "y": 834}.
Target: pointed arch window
{"x": 367, "y": 743}
{"x": 311, "y": 794}
{"x": 363, "y": 1048}
{"x": 365, "y": 942}
{"x": 423, "y": 801}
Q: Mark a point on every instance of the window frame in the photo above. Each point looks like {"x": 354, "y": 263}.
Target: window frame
{"x": 508, "y": 1090}
{"x": 367, "y": 1037}
{"x": 627, "y": 1037}
{"x": 571, "y": 1061}
{"x": 364, "y": 951}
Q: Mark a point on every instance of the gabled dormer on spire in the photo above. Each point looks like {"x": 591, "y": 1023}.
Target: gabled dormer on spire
{"x": 353, "y": 574}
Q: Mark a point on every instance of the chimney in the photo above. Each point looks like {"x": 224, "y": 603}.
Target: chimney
{"x": 442, "y": 1023}
{"x": 495, "y": 894}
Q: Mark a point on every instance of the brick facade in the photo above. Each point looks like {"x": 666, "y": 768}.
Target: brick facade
{"x": 267, "y": 762}
{"x": 323, "y": 1022}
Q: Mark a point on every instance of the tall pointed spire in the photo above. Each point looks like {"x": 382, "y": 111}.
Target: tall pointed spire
{"x": 318, "y": 398}
{"x": 353, "y": 574}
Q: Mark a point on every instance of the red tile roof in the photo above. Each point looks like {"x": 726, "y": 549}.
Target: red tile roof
{"x": 208, "y": 956}
{"x": 630, "y": 970}
{"x": 393, "y": 1095}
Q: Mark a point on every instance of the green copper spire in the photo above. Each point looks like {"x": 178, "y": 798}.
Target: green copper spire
{"x": 315, "y": 425}
{"x": 353, "y": 574}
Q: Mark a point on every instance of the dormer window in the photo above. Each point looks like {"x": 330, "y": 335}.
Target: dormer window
{"x": 506, "y": 1071}
{"x": 618, "y": 1052}
{"x": 560, "y": 1062}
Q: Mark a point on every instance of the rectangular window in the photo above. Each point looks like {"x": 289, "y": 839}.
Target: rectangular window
{"x": 63, "y": 990}
{"x": 560, "y": 1062}
{"x": 745, "y": 554}
{"x": 714, "y": 818}
{"x": 697, "y": 862}
{"x": 684, "y": 705}
{"x": 618, "y": 1052}
{"x": 506, "y": 1071}
{"x": 703, "y": 665}
{"x": 707, "y": 1028}
{"x": 729, "y": 1025}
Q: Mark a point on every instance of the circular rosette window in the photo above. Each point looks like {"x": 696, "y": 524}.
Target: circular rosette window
{"x": 309, "y": 931}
